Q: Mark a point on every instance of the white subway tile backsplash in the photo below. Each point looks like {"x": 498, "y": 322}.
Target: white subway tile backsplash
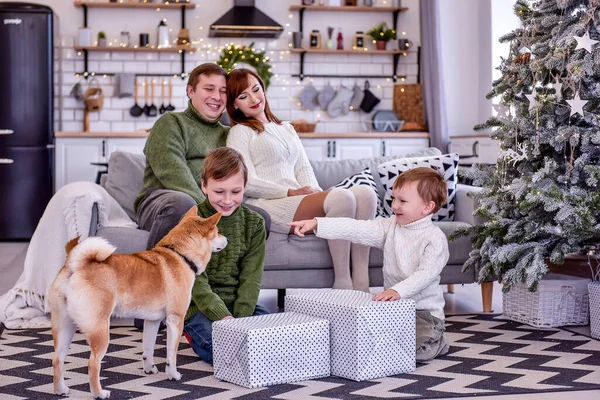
{"x": 122, "y": 56}
{"x": 72, "y": 126}
{"x": 100, "y": 126}
{"x": 160, "y": 67}
{"x": 371, "y": 69}
{"x": 283, "y": 92}
{"x": 110, "y": 66}
{"x": 122, "y": 126}
{"x": 111, "y": 115}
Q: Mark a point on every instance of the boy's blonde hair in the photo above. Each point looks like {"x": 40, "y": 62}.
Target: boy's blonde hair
{"x": 430, "y": 185}
{"x": 223, "y": 163}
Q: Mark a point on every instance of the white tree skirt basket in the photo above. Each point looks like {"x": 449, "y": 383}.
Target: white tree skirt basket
{"x": 594, "y": 289}
{"x": 560, "y": 300}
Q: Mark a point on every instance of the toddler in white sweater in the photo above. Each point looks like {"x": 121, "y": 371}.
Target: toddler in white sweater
{"x": 414, "y": 251}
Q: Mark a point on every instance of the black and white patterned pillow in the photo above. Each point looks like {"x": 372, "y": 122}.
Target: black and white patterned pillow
{"x": 446, "y": 165}
{"x": 364, "y": 177}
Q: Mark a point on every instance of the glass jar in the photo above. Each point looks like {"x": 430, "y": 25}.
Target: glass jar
{"x": 315, "y": 39}
{"x": 359, "y": 40}
{"x": 124, "y": 39}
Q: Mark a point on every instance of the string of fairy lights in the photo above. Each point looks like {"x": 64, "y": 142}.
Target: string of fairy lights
{"x": 202, "y": 45}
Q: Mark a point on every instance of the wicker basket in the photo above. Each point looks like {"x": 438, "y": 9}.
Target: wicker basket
{"x": 301, "y": 126}
{"x": 594, "y": 289}
{"x": 560, "y": 300}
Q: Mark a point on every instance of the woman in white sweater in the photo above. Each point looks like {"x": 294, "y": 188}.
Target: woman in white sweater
{"x": 282, "y": 182}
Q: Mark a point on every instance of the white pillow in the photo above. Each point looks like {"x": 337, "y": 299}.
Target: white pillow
{"x": 364, "y": 177}
{"x": 445, "y": 164}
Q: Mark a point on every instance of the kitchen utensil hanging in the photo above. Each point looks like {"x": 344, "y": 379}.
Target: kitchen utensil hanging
{"x": 153, "y": 111}
{"x": 146, "y": 105}
{"x": 136, "y": 110}
{"x": 162, "y": 108}
{"x": 170, "y": 107}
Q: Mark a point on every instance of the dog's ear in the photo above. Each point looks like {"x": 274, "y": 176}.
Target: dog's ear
{"x": 71, "y": 244}
{"x": 193, "y": 212}
{"x": 214, "y": 219}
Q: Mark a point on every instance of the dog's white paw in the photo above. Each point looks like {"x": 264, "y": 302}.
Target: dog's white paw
{"x": 173, "y": 374}
{"x": 61, "y": 389}
{"x": 151, "y": 369}
{"x": 105, "y": 394}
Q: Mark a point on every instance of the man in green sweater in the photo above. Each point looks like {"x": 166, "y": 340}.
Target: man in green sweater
{"x": 231, "y": 283}
{"x": 175, "y": 152}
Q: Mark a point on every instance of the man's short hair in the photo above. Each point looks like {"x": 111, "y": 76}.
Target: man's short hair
{"x": 430, "y": 185}
{"x": 223, "y": 163}
{"x": 205, "y": 69}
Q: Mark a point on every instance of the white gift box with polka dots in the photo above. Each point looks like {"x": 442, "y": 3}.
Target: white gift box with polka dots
{"x": 369, "y": 339}
{"x": 271, "y": 349}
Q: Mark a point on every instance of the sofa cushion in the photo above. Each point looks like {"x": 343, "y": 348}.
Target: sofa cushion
{"x": 364, "y": 177}
{"x": 329, "y": 173}
{"x": 446, "y": 165}
{"x": 126, "y": 240}
{"x": 125, "y": 179}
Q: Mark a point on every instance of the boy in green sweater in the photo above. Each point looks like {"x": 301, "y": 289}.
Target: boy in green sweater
{"x": 231, "y": 283}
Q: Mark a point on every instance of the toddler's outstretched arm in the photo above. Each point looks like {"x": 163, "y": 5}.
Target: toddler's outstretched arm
{"x": 301, "y": 227}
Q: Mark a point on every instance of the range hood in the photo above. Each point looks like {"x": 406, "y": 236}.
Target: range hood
{"x": 245, "y": 20}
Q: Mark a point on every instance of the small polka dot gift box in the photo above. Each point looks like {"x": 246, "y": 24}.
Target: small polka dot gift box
{"x": 271, "y": 349}
{"x": 369, "y": 339}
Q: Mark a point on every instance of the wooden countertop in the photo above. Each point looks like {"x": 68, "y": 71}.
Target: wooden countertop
{"x": 135, "y": 134}
{"x": 347, "y": 135}
{"x": 365, "y": 135}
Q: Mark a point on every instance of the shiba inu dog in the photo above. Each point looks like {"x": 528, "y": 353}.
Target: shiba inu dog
{"x": 95, "y": 284}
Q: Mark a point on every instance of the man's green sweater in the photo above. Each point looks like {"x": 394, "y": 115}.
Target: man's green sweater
{"x": 175, "y": 152}
{"x": 233, "y": 275}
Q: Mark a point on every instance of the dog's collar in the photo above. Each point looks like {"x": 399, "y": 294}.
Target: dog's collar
{"x": 187, "y": 260}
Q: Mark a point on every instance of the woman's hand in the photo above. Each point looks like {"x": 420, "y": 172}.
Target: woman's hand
{"x": 227, "y": 317}
{"x": 302, "y": 190}
{"x": 301, "y": 227}
{"x": 387, "y": 295}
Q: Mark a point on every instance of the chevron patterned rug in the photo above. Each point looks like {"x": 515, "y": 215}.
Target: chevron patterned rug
{"x": 488, "y": 356}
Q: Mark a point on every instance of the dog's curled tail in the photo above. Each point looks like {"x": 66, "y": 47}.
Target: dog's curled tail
{"x": 93, "y": 249}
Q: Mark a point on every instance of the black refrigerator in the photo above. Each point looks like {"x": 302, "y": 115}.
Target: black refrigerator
{"x": 26, "y": 117}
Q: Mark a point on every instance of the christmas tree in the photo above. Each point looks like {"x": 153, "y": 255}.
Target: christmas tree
{"x": 541, "y": 200}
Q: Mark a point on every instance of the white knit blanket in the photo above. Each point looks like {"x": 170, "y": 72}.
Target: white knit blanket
{"x": 67, "y": 216}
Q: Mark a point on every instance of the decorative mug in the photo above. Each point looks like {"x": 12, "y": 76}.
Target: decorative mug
{"x": 404, "y": 44}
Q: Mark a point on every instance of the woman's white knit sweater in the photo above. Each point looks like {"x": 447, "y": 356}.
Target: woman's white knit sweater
{"x": 413, "y": 255}
{"x": 276, "y": 162}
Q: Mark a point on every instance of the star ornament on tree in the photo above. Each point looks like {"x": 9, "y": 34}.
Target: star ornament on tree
{"x": 585, "y": 42}
{"x": 532, "y": 102}
{"x": 576, "y": 105}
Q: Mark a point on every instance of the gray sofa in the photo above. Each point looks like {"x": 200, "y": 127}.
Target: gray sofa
{"x": 291, "y": 261}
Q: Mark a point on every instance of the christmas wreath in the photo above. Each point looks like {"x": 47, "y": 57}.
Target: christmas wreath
{"x": 231, "y": 55}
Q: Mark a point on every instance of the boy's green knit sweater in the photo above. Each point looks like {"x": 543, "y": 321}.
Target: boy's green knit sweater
{"x": 175, "y": 152}
{"x": 233, "y": 275}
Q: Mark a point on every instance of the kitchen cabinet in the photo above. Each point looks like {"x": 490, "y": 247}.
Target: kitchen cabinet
{"x": 341, "y": 148}
{"x": 393, "y": 147}
{"x": 84, "y": 159}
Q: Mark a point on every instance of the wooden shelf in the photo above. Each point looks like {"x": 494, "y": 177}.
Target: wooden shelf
{"x": 132, "y": 4}
{"x": 138, "y": 49}
{"x": 351, "y": 51}
{"x": 347, "y": 8}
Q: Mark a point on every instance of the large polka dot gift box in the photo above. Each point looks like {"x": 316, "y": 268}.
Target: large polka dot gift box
{"x": 271, "y": 349}
{"x": 369, "y": 339}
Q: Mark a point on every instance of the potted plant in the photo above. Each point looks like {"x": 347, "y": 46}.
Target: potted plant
{"x": 101, "y": 39}
{"x": 381, "y": 34}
